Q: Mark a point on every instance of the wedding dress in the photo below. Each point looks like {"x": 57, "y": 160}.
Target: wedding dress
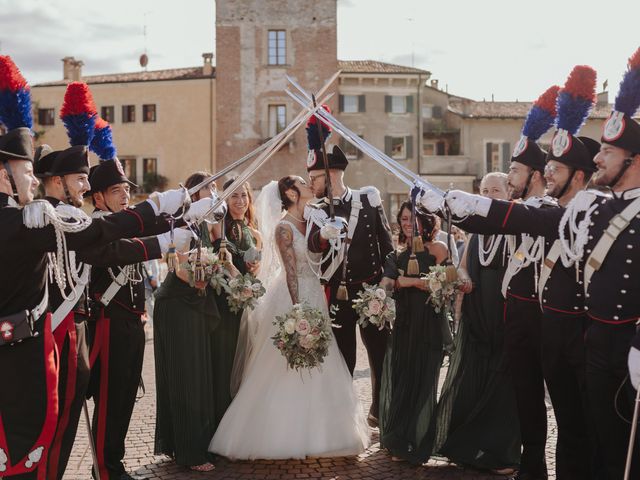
{"x": 281, "y": 413}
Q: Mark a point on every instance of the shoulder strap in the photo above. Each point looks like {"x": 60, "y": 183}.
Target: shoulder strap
{"x": 65, "y": 307}
{"x": 114, "y": 288}
{"x": 514, "y": 263}
{"x": 617, "y": 225}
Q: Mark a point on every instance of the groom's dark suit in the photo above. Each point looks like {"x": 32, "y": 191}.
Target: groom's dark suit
{"x": 370, "y": 244}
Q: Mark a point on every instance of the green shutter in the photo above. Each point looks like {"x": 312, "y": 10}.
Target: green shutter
{"x": 506, "y": 156}
{"x": 409, "y": 144}
{"x": 387, "y": 145}
{"x": 409, "y": 103}
{"x": 361, "y": 103}
{"x": 387, "y": 103}
{"x": 341, "y": 103}
{"x": 487, "y": 159}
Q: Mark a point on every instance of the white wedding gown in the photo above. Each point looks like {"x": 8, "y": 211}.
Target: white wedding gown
{"x": 281, "y": 413}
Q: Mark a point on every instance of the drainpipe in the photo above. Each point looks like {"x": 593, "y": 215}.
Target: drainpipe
{"x": 419, "y": 116}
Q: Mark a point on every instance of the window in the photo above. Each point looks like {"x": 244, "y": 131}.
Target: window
{"x": 350, "y": 151}
{"x": 149, "y": 113}
{"x": 497, "y": 156}
{"x": 277, "y": 119}
{"x": 108, "y": 114}
{"x": 46, "y": 116}
{"x": 398, "y": 104}
{"x": 352, "y": 103}
{"x": 429, "y": 148}
{"x": 399, "y": 148}
{"x": 128, "y": 113}
{"x": 129, "y": 167}
{"x": 277, "y": 50}
{"x": 149, "y": 166}
{"x": 431, "y": 111}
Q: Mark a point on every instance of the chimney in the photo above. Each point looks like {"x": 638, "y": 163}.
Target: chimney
{"x": 207, "y": 68}
{"x": 434, "y": 83}
{"x": 603, "y": 99}
{"x": 72, "y": 69}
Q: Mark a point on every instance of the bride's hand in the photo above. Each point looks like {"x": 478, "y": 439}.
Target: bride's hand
{"x": 231, "y": 268}
{"x": 253, "y": 267}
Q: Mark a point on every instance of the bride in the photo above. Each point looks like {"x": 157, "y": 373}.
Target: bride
{"x": 280, "y": 413}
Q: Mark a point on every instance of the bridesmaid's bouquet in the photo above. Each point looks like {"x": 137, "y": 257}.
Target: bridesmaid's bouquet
{"x": 243, "y": 291}
{"x": 374, "y": 307}
{"x": 303, "y": 335}
{"x": 205, "y": 267}
{"x": 442, "y": 288}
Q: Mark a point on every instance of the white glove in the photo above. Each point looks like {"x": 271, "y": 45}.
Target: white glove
{"x": 330, "y": 232}
{"x": 167, "y": 202}
{"x": 181, "y": 238}
{"x": 431, "y": 200}
{"x": 634, "y": 367}
{"x": 463, "y": 203}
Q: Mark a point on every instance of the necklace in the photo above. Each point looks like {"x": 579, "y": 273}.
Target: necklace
{"x": 300, "y": 220}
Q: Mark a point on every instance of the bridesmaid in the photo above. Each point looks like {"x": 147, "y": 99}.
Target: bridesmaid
{"x": 242, "y": 241}
{"x": 185, "y": 323}
{"x": 477, "y": 416}
{"x": 415, "y": 349}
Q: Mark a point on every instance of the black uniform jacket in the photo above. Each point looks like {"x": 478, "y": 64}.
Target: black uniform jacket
{"x": 371, "y": 241}
{"x": 23, "y": 251}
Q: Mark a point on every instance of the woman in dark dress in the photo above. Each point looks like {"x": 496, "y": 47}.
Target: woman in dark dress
{"x": 415, "y": 349}
{"x": 185, "y": 322}
{"x": 242, "y": 241}
{"x": 477, "y": 416}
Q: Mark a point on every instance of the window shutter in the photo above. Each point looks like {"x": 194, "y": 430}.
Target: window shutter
{"x": 341, "y": 103}
{"x": 387, "y": 103}
{"x": 409, "y": 103}
{"x": 387, "y": 145}
{"x": 409, "y": 146}
{"x": 440, "y": 148}
{"x": 436, "y": 112}
{"x": 506, "y": 156}
{"x": 487, "y": 156}
{"x": 361, "y": 103}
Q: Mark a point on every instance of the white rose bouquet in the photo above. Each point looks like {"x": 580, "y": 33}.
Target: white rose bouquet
{"x": 441, "y": 290}
{"x": 204, "y": 267}
{"x": 374, "y": 307}
{"x": 243, "y": 291}
{"x": 303, "y": 336}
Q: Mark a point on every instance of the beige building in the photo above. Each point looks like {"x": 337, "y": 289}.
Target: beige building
{"x": 163, "y": 121}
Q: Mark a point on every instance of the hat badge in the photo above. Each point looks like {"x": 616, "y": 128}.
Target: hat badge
{"x": 521, "y": 146}
{"x": 311, "y": 158}
{"x": 561, "y": 143}
{"x": 6, "y": 330}
{"x": 614, "y": 126}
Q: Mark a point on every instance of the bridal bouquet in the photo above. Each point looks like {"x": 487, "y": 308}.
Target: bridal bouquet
{"x": 205, "y": 266}
{"x": 303, "y": 336}
{"x": 442, "y": 290}
{"x": 374, "y": 307}
{"x": 243, "y": 291}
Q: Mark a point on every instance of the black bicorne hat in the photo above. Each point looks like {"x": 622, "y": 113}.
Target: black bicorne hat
{"x": 530, "y": 154}
{"x": 336, "y": 159}
{"x": 43, "y": 160}
{"x": 17, "y": 144}
{"x": 575, "y": 152}
{"x": 106, "y": 174}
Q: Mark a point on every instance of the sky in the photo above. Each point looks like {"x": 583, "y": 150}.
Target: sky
{"x": 508, "y": 49}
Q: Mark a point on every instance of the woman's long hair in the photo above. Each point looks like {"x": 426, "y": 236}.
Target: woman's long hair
{"x": 427, "y": 220}
{"x": 250, "y": 214}
{"x": 193, "y": 180}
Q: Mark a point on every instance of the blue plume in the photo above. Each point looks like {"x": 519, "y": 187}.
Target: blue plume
{"x": 537, "y": 123}
{"x": 102, "y": 143}
{"x": 628, "y": 99}
{"x": 15, "y": 108}
{"x": 313, "y": 139}
{"x": 572, "y": 112}
{"x": 80, "y": 128}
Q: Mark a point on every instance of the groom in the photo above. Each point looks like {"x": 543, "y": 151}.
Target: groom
{"x": 368, "y": 241}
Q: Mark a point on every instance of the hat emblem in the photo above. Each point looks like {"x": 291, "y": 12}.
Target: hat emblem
{"x": 6, "y": 330}
{"x": 613, "y": 127}
{"x": 561, "y": 143}
{"x": 312, "y": 159}
{"x": 521, "y": 146}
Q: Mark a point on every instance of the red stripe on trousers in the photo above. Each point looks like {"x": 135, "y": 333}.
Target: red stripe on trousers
{"x": 104, "y": 387}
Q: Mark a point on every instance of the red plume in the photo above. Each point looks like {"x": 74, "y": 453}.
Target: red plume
{"x": 581, "y": 82}
{"x": 634, "y": 61}
{"x": 10, "y": 76}
{"x": 78, "y": 100}
{"x": 547, "y": 101}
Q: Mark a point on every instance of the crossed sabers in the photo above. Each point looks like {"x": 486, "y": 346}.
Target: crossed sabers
{"x": 310, "y": 107}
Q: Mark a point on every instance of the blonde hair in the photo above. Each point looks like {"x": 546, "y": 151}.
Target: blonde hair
{"x": 499, "y": 175}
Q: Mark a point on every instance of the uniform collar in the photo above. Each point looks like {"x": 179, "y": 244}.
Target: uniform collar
{"x": 7, "y": 201}
{"x": 346, "y": 196}
{"x": 628, "y": 194}
{"x": 52, "y": 200}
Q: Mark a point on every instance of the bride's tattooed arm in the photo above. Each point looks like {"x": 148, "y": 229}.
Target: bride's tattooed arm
{"x": 284, "y": 240}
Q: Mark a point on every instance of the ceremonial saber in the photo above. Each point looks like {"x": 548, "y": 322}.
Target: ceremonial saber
{"x": 94, "y": 454}
{"x": 632, "y": 437}
{"x": 364, "y": 146}
{"x": 325, "y": 159}
{"x": 293, "y": 124}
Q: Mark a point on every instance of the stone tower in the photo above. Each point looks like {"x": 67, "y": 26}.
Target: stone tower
{"x": 258, "y": 42}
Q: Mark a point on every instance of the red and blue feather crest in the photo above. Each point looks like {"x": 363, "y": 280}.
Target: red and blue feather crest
{"x": 15, "y": 96}
{"x": 541, "y": 115}
{"x": 628, "y": 98}
{"x": 102, "y": 143}
{"x": 79, "y": 113}
{"x": 313, "y": 139}
{"x": 576, "y": 99}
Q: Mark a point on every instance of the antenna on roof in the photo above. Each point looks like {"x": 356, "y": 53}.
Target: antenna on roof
{"x": 144, "y": 58}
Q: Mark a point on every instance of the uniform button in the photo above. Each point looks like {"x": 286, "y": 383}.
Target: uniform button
{"x": 626, "y": 275}
{"x": 546, "y": 288}
{"x": 586, "y": 308}
{"x": 587, "y": 295}
{"x": 544, "y": 301}
{"x": 365, "y": 215}
{"x": 509, "y": 288}
{"x": 368, "y": 226}
{"x": 628, "y": 260}
{"x": 591, "y": 224}
{"x": 576, "y": 308}
{"x": 579, "y": 282}
{"x": 371, "y": 244}
{"x": 615, "y": 317}
{"x": 372, "y": 255}
{"x": 623, "y": 291}
{"x": 369, "y": 235}
{"x": 588, "y": 250}
{"x": 590, "y": 237}
{"x": 619, "y": 307}
{"x": 632, "y": 231}
{"x": 578, "y": 294}
{"x": 629, "y": 247}
{"x": 596, "y": 212}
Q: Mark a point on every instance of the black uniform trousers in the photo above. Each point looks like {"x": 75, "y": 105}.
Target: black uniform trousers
{"x": 73, "y": 382}
{"x": 117, "y": 353}
{"x": 374, "y": 340}
{"x": 563, "y": 365}
{"x": 522, "y": 349}
{"x": 611, "y": 396}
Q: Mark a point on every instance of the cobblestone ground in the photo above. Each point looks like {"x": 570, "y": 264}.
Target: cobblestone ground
{"x": 374, "y": 464}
